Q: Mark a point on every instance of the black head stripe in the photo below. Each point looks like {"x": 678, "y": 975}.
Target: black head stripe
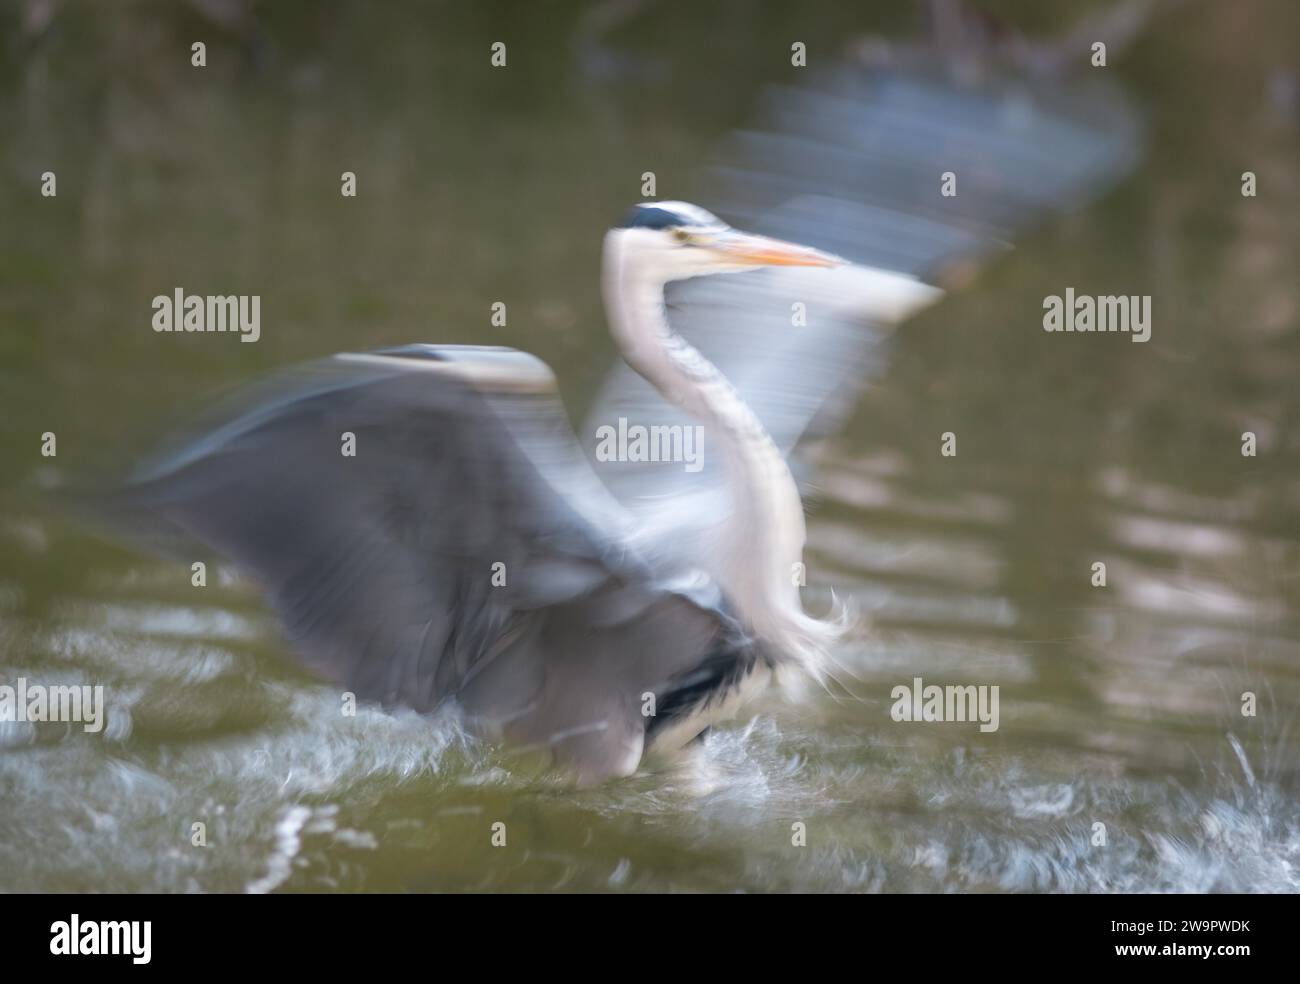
{"x": 649, "y": 217}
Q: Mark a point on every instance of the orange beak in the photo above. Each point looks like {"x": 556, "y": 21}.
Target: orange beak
{"x": 742, "y": 247}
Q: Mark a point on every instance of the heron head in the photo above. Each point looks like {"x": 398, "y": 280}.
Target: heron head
{"x": 677, "y": 240}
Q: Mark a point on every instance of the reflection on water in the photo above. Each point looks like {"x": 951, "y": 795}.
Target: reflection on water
{"x": 1119, "y": 705}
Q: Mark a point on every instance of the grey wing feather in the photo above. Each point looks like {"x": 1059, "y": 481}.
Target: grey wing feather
{"x": 852, "y": 164}
{"x": 381, "y": 564}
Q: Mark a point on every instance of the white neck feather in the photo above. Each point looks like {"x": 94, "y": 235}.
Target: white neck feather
{"x": 763, "y": 537}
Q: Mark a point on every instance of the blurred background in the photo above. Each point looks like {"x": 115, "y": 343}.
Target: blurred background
{"x": 1119, "y": 705}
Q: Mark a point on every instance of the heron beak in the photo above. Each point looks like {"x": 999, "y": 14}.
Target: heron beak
{"x": 743, "y": 247}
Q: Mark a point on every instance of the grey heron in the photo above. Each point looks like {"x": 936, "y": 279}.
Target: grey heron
{"x": 469, "y": 551}
{"x": 381, "y": 564}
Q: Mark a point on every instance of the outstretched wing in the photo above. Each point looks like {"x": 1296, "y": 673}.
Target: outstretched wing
{"x": 426, "y": 527}
{"x": 854, "y": 164}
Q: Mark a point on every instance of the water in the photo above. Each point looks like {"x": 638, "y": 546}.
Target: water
{"x": 1119, "y": 705}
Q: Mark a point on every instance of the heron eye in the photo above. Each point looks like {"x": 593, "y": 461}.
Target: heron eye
{"x": 681, "y": 235}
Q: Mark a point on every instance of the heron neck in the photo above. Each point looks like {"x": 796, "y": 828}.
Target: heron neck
{"x": 762, "y": 539}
